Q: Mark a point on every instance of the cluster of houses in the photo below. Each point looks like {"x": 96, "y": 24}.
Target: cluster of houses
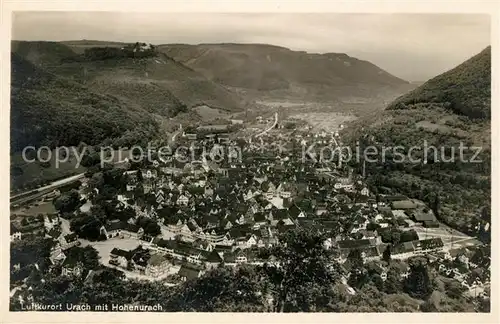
{"x": 469, "y": 266}
{"x": 49, "y": 227}
{"x": 230, "y": 212}
{"x": 228, "y": 218}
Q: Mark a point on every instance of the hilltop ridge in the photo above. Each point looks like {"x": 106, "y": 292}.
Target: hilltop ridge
{"x": 268, "y": 68}
{"x": 448, "y": 111}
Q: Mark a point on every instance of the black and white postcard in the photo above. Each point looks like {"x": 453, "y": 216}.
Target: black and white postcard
{"x": 202, "y": 161}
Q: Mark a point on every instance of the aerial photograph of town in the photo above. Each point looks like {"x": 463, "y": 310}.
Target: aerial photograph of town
{"x": 250, "y": 162}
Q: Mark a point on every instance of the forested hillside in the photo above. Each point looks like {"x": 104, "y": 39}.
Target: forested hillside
{"x": 50, "y": 110}
{"x": 448, "y": 111}
{"x": 465, "y": 90}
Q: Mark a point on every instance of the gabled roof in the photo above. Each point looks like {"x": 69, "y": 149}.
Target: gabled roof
{"x": 294, "y": 211}
{"x": 216, "y": 230}
{"x": 54, "y": 233}
{"x": 239, "y": 231}
{"x": 403, "y": 204}
{"x": 173, "y": 219}
{"x": 223, "y": 248}
{"x": 167, "y": 244}
{"x": 403, "y": 248}
{"x": 279, "y": 214}
{"x": 119, "y": 252}
{"x": 156, "y": 259}
{"x": 186, "y": 249}
{"x": 141, "y": 256}
{"x": 225, "y": 221}
{"x": 191, "y": 226}
{"x": 71, "y": 237}
{"x": 259, "y": 217}
{"x": 14, "y": 229}
{"x": 213, "y": 257}
{"x": 424, "y": 217}
{"x": 189, "y": 272}
{"x": 265, "y": 186}
{"x": 213, "y": 219}
{"x": 353, "y": 244}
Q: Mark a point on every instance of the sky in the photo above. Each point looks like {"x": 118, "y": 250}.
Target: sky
{"x": 414, "y": 47}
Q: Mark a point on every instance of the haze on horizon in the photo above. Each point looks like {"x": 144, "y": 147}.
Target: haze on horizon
{"x": 414, "y": 47}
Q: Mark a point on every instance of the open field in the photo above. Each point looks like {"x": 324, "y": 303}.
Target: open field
{"x": 329, "y": 122}
{"x": 105, "y": 247}
{"x": 207, "y": 113}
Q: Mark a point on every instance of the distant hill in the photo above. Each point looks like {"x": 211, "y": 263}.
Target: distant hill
{"x": 447, "y": 111}
{"x": 271, "y": 68}
{"x": 466, "y": 89}
{"x": 154, "y": 82}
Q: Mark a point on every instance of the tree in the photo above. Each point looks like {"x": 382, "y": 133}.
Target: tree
{"x": 386, "y": 256}
{"x": 429, "y": 307}
{"x": 304, "y": 264}
{"x": 99, "y": 212}
{"x": 355, "y": 258}
{"x": 372, "y": 226}
{"x": 396, "y": 237}
{"x": 67, "y": 202}
{"x": 28, "y": 252}
{"x": 393, "y": 284}
{"x": 88, "y": 256}
{"x": 454, "y": 289}
{"x": 436, "y": 205}
{"x": 139, "y": 175}
{"x": 126, "y": 214}
{"x": 486, "y": 214}
{"x": 87, "y": 227}
{"x": 150, "y": 227}
{"x": 223, "y": 290}
{"x": 89, "y": 160}
{"x": 418, "y": 283}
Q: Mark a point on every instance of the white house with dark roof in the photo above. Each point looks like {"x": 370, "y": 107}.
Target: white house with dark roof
{"x": 68, "y": 241}
{"x": 183, "y": 200}
{"x": 157, "y": 266}
{"x": 50, "y": 221}
{"x": 119, "y": 257}
{"x": 15, "y": 233}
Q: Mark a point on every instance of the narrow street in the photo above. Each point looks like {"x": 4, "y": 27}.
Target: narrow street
{"x": 271, "y": 127}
